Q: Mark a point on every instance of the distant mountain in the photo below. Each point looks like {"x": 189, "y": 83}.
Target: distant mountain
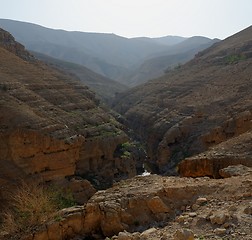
{"x": 186, "y": 45}
{"x": 177, "y": 55}
{"x": 97, "y": 51}
{"x": 105, "y": 88}
{"x": 118, "y": 58}
{"x": 195, "y": 106}
{"x": 167, "y": 40}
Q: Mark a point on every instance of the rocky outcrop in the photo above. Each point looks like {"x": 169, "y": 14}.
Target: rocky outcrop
{"x": 8, "y": 42}
{"x": 234, "y": 151}
{"x": 98, "y": 163}
{"x": 153, "y": 207}
{"x": 37, "y": 154}
{"x": 236, "y": 170}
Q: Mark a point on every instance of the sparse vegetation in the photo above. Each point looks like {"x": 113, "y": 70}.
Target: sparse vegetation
{"x": 32, "y": 205}
{"x": 234, "y": 58}
{"x": 178, "y": 66}
{"x": 62, "y": 198}
{"x": 125, "y": 149}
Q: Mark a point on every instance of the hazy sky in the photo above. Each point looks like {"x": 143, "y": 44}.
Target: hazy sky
{"x": 130, "y": 18}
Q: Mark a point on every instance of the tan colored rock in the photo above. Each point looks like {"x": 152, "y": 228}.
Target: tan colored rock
{"x": 75, "y": 221}
{"x": 156, "y": 205}
{"x": 111, "y": 223}
{"x": 42, "y": 235}
{"x": 37, "y": 154}
{"x": 124, "y": 236}
{"x": 192, "y": 214}
{"x": 183, "y": 234}
{"x": 234, "y": 170}
{"x": 146, "y": 234}
{"x": 54, "y": 231}
{"x": 82, "y": 190}
{"x": 220, "y": 231}
{"x": 218, "y": 218}
{"x": 234, "y": 151}
{"x": 201, "y": 201}
{"x": 248, "y": 209}
{"x": 92, "y": 218}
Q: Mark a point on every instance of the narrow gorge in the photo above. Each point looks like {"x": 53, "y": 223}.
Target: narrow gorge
{"x": 187, "y": 128}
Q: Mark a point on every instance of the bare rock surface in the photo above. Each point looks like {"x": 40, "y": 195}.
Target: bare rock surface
{"x": 235, "y": 151}
{"x": 234, "y": 170}
{"x": 124, "y": 211}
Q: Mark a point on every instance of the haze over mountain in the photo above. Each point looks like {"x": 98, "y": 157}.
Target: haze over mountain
{"x": 113, "y": 56}
{"x": 104, "y": 87}
{"x": 194, "y": 121}
{"x": 177, "y": 54}
{"x": 200, "y": 104}
{"x": 51, "y": 125}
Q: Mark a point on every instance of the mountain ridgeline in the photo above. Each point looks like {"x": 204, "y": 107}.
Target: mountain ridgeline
{"x": 118, "y": 58}
{"x": 196, "y": 106}
{"x": 52, "y": 127}
{"x": 193, "y": 121}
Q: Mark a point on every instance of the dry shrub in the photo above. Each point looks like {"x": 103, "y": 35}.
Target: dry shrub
{"x": 30, "y": 206}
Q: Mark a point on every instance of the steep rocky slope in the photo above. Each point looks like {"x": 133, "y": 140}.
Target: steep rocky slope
{"x": 202, "y": 103}
{"x": 105, "y": 88}
{"x": 53, "y": 127}
{"x": 118, "y": 58}
{"x": 236, "y": 150}
{"x": 178, "y": 54}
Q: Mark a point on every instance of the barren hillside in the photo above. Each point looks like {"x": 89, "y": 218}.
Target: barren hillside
{"x": 198, "y": 105}
{"x": 52, "y": 126}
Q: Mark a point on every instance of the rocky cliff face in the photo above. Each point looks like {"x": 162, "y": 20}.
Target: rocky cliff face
{"x": 8, "y": 42}
{"x": 52, "y": 126}
{"x": 155, "y": 207}
{"x": 198, "y": 105}
{"x": 234, "y": 151}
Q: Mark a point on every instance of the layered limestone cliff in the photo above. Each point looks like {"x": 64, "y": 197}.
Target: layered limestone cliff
{"x": 234, "y": 151}
{"x": 53, "y": 127}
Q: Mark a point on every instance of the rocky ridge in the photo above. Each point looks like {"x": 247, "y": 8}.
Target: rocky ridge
{"x": 53, "y": 127}
{"x": 194, "y": 107}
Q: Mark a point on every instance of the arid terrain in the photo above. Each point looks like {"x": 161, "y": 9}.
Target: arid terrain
{"x": 196, "y": 106}
{"x": 52, "y": 126}
{"x": 155, "y": 207}
{"x": 191, "y": 130}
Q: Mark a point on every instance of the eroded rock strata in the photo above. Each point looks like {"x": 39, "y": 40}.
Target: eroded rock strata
{"x": 196, "y": 106}
{"x": 237, "y": 150}
{"x": 153, "y": 207}
{"x": 53, "y": 127}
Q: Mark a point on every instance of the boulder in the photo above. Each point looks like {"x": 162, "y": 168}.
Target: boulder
{"x": 234, "y": 170}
